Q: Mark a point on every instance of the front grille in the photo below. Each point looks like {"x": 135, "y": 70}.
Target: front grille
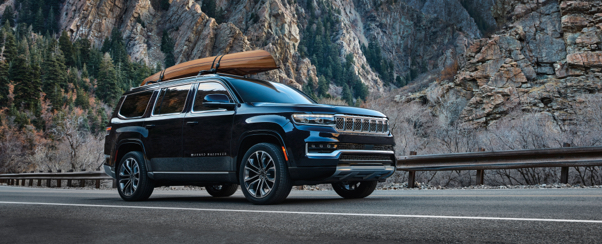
{"x": 357, "y": 124}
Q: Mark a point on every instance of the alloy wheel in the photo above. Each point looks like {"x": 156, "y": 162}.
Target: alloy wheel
{"x": 129, "y": 176}
{"x": 259, "y": 174}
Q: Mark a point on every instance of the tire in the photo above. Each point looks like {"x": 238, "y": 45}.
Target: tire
{"x": 264, "y": 181}
{"x": 134, "y": 186}
{"x": 356, "y": 189}
{"x": 221, "y": 190}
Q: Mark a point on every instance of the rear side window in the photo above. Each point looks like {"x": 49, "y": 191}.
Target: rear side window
{"x": 171, "y": 100}
{"x": 206, "y": 89}
{"x": 135, "y": 105}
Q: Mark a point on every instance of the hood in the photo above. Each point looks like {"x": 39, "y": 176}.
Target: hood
{"x": 323, "y": 108}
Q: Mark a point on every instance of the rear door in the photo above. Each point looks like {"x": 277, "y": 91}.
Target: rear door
{"x": 164, "y": 141}
{"x": 207, "y": 133}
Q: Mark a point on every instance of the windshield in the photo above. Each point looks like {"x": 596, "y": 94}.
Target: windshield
{"x": 271, "y": 92}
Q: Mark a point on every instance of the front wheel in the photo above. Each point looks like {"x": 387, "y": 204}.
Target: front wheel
{"x": 134, "y": 184}
{"x": 263, "y": 175}
{"x": 357, "y": 189}
{"x": 221, "y": 190}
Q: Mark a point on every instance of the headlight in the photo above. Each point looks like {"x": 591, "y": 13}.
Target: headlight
{"x": 314, "y": 119}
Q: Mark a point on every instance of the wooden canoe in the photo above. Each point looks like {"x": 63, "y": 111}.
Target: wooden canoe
{"x": 242, "y": 63}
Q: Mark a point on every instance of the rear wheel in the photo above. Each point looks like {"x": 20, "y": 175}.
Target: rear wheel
{"x": 264, "y": 175}
{"x": 355, "y": 189}
{"x": 221, "y": 190}
{"x": 133, "y": 182}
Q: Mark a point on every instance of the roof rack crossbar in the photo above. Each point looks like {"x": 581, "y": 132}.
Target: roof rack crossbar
{"x": 162, "y": 75}
{"x": 157, "y": 81}
{"x": 212, "y": 70}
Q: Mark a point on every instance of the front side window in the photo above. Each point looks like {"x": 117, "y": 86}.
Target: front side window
{"x": 171, "y": 100}
{"x": 134, "y": 105}
{"x": 206, "y": 89}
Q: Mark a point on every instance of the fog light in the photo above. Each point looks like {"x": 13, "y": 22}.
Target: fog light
{"x": 321, "y": 147}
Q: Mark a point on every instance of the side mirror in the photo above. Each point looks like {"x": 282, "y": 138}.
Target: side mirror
{"x": 218, "y": 101}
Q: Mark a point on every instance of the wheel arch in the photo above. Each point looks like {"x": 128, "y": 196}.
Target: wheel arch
{"x": 125, "y": 147}
{"x": 253, "y": 138}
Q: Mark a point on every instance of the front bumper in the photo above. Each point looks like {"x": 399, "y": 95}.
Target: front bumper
{"x": 345, "y": 165}
{"x": 360, "y": 169}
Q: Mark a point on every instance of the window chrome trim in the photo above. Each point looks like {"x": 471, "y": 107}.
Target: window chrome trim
{"x": 155, "y": 118}
{"x": 196, "y": 90}
{"x": 166, "y": 116}
{"x": 179, "y": 81}
{"x": 208, "y": 113}
{"x": 117, "y": 120}
{"x": 155, "y": 104}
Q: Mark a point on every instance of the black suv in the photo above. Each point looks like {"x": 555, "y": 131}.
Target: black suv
{"x": 221, "y": 131}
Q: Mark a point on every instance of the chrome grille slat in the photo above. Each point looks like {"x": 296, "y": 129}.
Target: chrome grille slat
{"x": 357, "y": 124}
{"x": 348, "y": 124}
{"x": 361, "y": 124}
{"x": 372, "y": 125}
{"x": 366, "y": 125}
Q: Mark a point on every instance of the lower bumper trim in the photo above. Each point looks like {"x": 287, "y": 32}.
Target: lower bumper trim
{"x": 110, "y": 171}
{"x": 362, "y": 173}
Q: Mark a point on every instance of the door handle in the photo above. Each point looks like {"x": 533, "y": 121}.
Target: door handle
{"x": 149, "y": 126}
{"x": 192, "y": 122}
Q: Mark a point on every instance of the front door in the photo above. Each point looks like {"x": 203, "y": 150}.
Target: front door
{"x": 207, "y": 133}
